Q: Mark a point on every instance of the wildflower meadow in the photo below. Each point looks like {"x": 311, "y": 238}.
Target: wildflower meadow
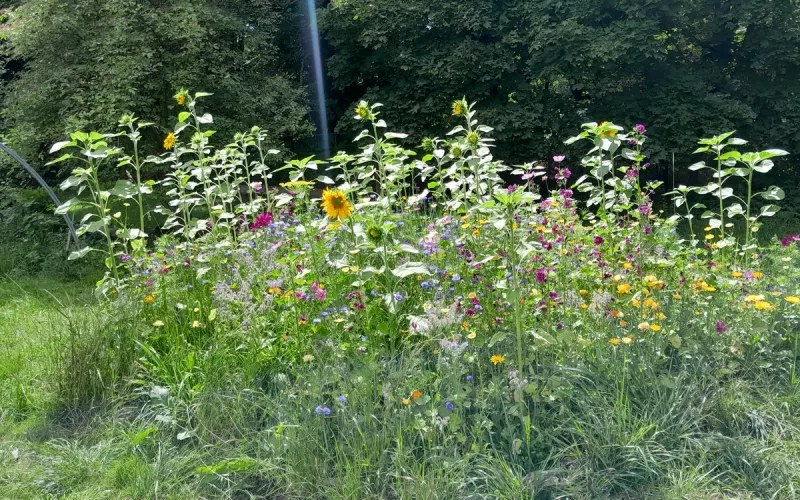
{"x": 412, "y": 322}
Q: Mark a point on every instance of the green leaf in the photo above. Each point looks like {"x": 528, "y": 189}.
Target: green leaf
{"x": 410, "y": 268}
{"x": 78, "y": 254}
{"x": 773, "y": 193}
{"x": 61, "y": 145}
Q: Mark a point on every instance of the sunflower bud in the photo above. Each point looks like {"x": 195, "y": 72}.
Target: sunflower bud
{"x": 459, "y": 107}
{"x": 427, "y": 144}
{"x": 455, "y": 150}
{"x": 375, "y": 234}
{"x": 362, "y": 111}
{"x": 472, "y": 139}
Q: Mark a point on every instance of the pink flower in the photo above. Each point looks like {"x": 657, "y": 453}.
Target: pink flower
{"x": 558, "y": 158}
{"x": 262, "y": 220}
{"x": 640, "y": 128}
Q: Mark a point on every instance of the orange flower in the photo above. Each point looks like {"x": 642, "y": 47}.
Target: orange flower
{"x": 415, "y": 394}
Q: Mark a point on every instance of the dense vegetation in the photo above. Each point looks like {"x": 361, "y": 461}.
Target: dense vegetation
{"x": 468, "y": 339}
{"x": 548, "y": 308}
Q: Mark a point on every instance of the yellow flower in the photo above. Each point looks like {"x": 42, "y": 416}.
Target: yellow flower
{"x": 406, "y": 401}
{"x": 335, "y": 204}
{"x": 655, "y": 328}
{"x": 763, "y": 305}
{"x": 158, "y": 323}
{"x": 709, "y": 236}
{"x": 623, "y": 323}
{"x": 584, "y": 292}
{"x": 627, "y": 340}
{"x": 627, "y": 265}
{"x": 195, "y": 324}
{"x": 497, "y": 359}
{"x": 297, "y": 185}
{"x": 623, "y": 288}
{"x": 652, "y": 304}
{"x": 754, "y": 298}
{"x": 471, "y": 335}
{"x": 169, "y": 141}
{"x": 149, "y": 299}
{"x": 736, "y": 274}
{"x": 613, "y": 341}
{"x": 677, "y": 296}
{"x": 635, "y": 302}
{"x": 758, "y": 275}
{"x": 308, "y": 358}
{"x": 792, "y": 299}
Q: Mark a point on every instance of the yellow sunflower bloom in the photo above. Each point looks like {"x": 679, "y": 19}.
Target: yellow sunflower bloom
{"x": 335, "y": 204}
{"x": 169, "y": 141}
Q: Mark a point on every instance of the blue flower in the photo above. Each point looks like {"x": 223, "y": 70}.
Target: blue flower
{"x": 469, "y": 378}
{"x": 398, "y": 297}
{"x": 322, "y": 410}
{"x": 342, "y": 399}
{"x": 450, "y": 406}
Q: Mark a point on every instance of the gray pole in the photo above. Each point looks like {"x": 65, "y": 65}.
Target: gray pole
{"x": 41, "y": 181}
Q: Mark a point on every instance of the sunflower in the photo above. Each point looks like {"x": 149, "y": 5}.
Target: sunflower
{"x": 169, "y": 141}
{"x": 375, "y": 234}
{"x": 335, "y": 204}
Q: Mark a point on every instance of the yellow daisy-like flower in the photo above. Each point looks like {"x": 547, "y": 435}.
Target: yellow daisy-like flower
{"x": 655, "y": 328}
{"x": 758, "y": 275}
{"x": 297, "y": 185}
{"x": 624, "y": 288}
{"x": 149, "y": 299}
{"x": 763, "y": 305}
{"x": 614, "y": 341}
{"x": 792, "y": 299}
{"x": 497, "y": 359}
{"x": 736, "y": 274}
{"x": 169, "y": 141}
{"x": 335, "y": 204}
{"x": 471, "y": 335}
{"x": 406, "y": 401}
{"x": 627, "y": 340}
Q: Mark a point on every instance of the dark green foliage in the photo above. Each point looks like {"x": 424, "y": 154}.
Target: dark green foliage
{"x": 88, "y": 62}
{"x": 537, "y": 69}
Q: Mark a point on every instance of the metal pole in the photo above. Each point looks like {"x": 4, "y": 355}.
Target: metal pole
{"x": 41, "y": 181}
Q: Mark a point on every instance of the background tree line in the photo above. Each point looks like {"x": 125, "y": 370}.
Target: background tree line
{"x": 687, "y": 68}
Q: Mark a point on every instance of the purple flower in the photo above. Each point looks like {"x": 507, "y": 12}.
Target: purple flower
{"x": 720, "y": 327}
{"x": 560, "y": 325}
{"x": 512, "y": 188}
{"x": 322, "y": 410}
{"x": 342, "y": 399}
{"x": 558, "y": 158}
{"x": 125, "y": 258}
{"x": 469, "y": 378}
{"x": 644, "y": 210}
{"x": 640, "y": 128}
{"x": 450, "y": 406}
{"x": 598, "y": 240}
{"x": 789, "y": 239}
{"x": 631, "y": 174}
{"x": 541, "y": 275}
{"x": 563, "y": 174}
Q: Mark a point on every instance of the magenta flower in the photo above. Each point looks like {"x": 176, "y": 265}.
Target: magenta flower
{"x": 558, "y": 158}
{"x": 512, "y": 188}
{"x": 598, "y": 240}
{"x": 640, "y": 128}
{"x": 644, "y": 210}
{"x": 541, "y": 275}
{"x": 720, "y": 327}
{"x": 262, "y": 220}
{"x": 789, "y": 239}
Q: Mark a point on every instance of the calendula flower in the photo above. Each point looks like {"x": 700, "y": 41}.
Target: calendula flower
{"x": 763, "y": 305}
{"x": 406, "y": 401}
{"x": 169, "y": 141}
{"x": 627, "y": 340}
{"x": 415, "y": 394}
{"x": 644, "y": 325}
{"x": 614, "y": 341}
{"x": 736, "y": 274}
{"x": 497, "y": 359}
{"x": 335, "y": 204}
{"x": 149, "y": 299}
{"x": 792, "y": 299}
{"x": 308, "y": 358}
{"x": 624, "y": 288}
{"x": 655, "y": 328}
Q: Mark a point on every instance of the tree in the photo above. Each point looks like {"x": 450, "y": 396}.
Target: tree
{"x": 86, "y": 62}
{"x": 538, "y": 69}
